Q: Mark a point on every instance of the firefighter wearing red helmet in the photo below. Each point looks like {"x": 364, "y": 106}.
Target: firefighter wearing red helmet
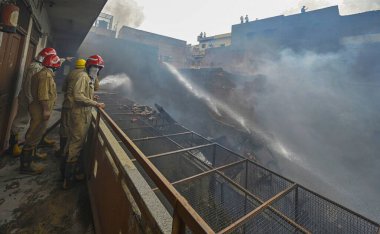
{"x": 44, "y": 95}
{"x": 24, "y": 99}
{"x": 81, "y": 95}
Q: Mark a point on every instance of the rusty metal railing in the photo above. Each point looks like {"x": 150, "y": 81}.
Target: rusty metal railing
{"x": 184, "y": 214}
{"x": 264, "y": 201}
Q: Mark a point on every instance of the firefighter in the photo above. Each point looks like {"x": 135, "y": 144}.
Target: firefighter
{"x": 67, "y": 104}
{"x": 44, "y": 95}
{"x": 22, "y": 117}
{"x": 81, "y": 93}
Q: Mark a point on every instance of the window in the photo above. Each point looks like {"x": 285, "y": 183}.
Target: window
{"x": 203, "y": 46}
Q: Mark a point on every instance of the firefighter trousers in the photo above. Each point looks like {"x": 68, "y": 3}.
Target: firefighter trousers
{"x": 78, "y": 128}
{"x": 36, "y": 129}
{"x": 22, "y": 117}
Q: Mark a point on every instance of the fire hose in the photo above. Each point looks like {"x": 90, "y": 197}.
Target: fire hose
{"x": 51, "y": 128}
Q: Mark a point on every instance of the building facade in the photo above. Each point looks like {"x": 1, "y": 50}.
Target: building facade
{"x": 169, "y": 49}
{"x": 321, "y": 31}
{"x": 40, "y": 24}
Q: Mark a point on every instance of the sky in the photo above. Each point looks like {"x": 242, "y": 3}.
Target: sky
{"x": 186, "y": 19}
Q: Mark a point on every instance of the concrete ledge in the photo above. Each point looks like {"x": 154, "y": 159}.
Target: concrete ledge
{"x": 132, "y": 182}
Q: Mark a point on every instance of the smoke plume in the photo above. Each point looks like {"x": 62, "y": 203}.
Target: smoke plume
{"x": 318, "y": 110}
{"x": 323, "y": 110}
{"x": 346, "y": 7}
{"x": 126, "y": 12}
{"x": 354, "y": 6}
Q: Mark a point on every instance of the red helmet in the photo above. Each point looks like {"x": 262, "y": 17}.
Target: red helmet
{"x": 52, "y": 61}
{"x": 47, "y": 51}
{"x": 95, "y": 60}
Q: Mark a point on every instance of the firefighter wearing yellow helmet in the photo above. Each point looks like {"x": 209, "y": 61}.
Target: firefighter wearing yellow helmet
{"x": 67, "y": 105}
{"x": 80, "y": 94}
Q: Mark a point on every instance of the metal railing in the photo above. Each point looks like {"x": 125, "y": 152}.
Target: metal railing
{"x": 210, "y": 189}
{"x": 184, "y": 214}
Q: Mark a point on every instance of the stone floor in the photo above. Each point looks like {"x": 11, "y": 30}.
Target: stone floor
{"x": 37, "y": 204}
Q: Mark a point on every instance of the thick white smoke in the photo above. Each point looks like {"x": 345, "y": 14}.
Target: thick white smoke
{"x": 125, "y": 12}
{"x": 325, "y": 112}
{"x": 346, "y": 7}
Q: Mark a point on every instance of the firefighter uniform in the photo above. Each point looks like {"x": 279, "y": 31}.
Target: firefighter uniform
{"x": 22, "y": 117}
{"x": 80, "y": 93}
{"x": 44, "y": 95}
{"x": 67, "y": 104}
{"x": 43, "y": 89}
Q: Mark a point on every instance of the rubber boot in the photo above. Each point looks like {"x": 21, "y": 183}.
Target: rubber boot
{"x": 62, "y": 145}
{"x": 27, "y": 166}
{"x": 14, "y": 148}
{"x": 47, "y": 142}
{"x": 69, "y": 175}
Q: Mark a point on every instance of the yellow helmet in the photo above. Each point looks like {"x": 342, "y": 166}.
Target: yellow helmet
{"x": 80, "y": 63}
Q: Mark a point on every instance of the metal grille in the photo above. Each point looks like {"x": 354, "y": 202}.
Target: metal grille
{"x": 263, "y": 183}
{"x": 171, "y": 166}
{"x": 216, "y": 200}
{"x": 267, "y": 222}
{"x": 231, "y": 193}
{"x": 321, "y": 215}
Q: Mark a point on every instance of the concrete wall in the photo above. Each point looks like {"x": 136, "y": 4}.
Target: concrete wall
{"x": 16, "y": 55}
{"x": 170, "y": 49}
{"x": 103, "y": 31}
{"x": 120, "y": 56}
{"x": 121, "y": 199}
{"x": 312, "y": 30}
{"x": 319, "y": 30}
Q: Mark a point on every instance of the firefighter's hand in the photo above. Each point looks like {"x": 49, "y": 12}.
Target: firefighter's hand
{"x": 96, "y": 97}
{"x": 100, "y": 105}
{"x": 46, "y": 115}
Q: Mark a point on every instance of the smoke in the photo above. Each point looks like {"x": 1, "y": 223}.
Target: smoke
{"x": 354, "y": 6}
{"x": 324, "y": 114}
{"x": 125, "y": 12}
{"x": 315, "y": 110}
{"x": 119, "y": 81}
{"x": 215, "y": 105}
{"x": 346, "y": 7}
{"x": 195, "y": 90}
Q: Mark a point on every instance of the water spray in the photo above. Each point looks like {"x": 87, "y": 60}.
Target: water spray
{"x": 117, "y": 81}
